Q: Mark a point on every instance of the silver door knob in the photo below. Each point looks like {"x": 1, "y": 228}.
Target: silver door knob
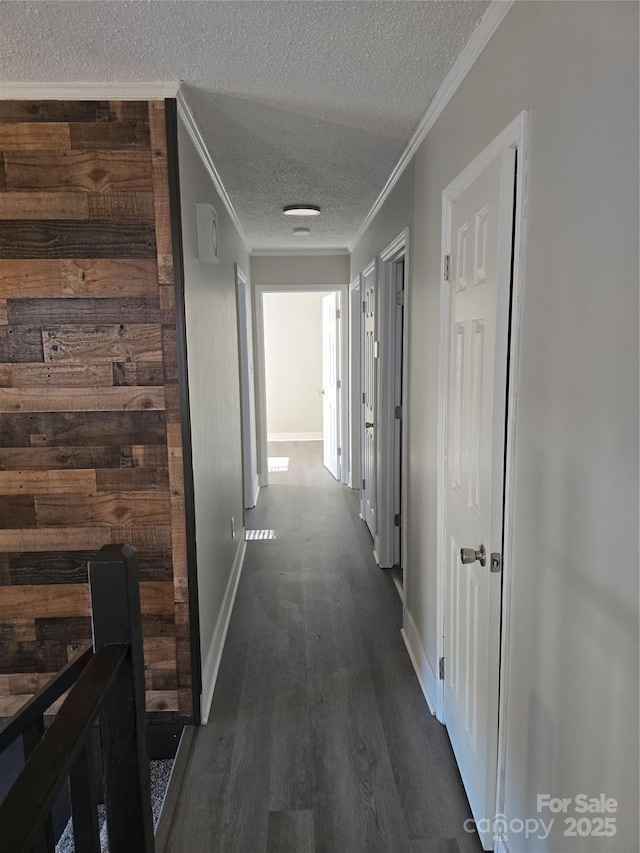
{"x": 470, "y": 555}
{"x": 368, "y": 424}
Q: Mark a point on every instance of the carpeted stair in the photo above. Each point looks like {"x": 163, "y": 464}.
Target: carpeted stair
{"x": 160, "y": 772}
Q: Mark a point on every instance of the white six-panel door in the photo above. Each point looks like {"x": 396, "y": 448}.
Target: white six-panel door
{"x": 369, "y": 394}
{"x": 481, "y": 229}
{"x": 330, "y": 387}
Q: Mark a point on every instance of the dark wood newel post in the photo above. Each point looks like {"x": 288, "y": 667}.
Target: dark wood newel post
{"x": 115, "y": 605}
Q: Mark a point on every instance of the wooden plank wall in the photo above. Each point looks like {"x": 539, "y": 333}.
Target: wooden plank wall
{"x": 90, "y": 438}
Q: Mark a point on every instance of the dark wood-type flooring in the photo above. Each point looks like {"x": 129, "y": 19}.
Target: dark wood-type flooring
{"x": 319, "y": 739}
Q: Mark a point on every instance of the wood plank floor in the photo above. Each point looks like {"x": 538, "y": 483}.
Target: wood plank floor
{"x": 319, "y": 739}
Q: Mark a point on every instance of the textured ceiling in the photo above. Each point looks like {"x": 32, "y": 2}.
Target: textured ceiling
{"x": 298, "y": 100}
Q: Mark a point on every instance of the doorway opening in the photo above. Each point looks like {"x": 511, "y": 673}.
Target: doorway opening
{"x": 392, "y": 418}
{"x": 302, "y": 377}
{"x": 381, "y": 338}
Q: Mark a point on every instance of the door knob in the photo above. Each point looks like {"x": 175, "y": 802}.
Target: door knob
{"x": 368, "y": 424}
{"x": 470, "y": 555}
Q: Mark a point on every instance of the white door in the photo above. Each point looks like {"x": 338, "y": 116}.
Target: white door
{"x": 480, "y": 271}
{"x": 369, "y": 396}
{"x": 398, "y": 269}
{"x": 330, "y": 383}
{"x": 355, "y": 378}
{"x": 247, "y": 392}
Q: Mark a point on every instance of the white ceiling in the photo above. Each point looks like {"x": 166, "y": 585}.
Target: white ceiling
{"x": 306, "y": 101}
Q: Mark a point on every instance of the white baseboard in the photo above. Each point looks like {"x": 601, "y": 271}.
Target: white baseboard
{"x": 424, "y": 670}
{"x": 294, "y": 436}
{"x": 174, "y": 785}
{"x": 214, "y": 655}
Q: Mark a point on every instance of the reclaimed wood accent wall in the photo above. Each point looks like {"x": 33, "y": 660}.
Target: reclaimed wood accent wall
{"x": 90, "y": 438}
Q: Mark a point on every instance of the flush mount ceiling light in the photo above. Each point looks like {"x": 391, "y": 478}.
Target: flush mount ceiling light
{"x": 301, "y": 210}
{"x": 302, "y": 232}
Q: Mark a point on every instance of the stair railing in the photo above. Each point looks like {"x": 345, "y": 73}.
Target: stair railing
{"x": 105, "y": 682}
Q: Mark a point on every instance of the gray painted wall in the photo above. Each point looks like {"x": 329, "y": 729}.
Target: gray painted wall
{"x": 212, "y": 346}
{"x": 300, "y": 269}
{"x": 396, "y": 214}
{"x": 572, "y": 720}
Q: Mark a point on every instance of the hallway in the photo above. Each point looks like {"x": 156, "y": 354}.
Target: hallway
{"x": 319, "y": 738}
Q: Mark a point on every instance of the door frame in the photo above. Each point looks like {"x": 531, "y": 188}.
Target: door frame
{"x": 250, "y": 479}
{"x": 355, "y": 387}
{"x": 371, "y": 267}
{"x": 515, "y": 136}
{"x": 259, "y": 291}
{"x": 331, "y": 305}
{"x": 387, "y": 395}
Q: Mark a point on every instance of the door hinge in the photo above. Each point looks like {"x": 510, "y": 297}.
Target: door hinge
{"x": 363, "y": 396}
{"x": 398, "y": 413}
{"x": 441, "y": 669}
{"x": 337, "y": 313}
{"x": 363, "y": 485}
{"x": 397, "y": 520}
{"x": 339, "y": 451}
{"x": 364, "y": 306}
{"x": 338, "y": 384}
{"x": 400, "y": 297}
{"x": 446, "y": 268}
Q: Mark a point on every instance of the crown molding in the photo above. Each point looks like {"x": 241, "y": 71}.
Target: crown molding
{"x": 184, "y": 112}
{"x": 70, "y": 91}
{"x": 299, "y": 253}
{"x": 490, "y": 22}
